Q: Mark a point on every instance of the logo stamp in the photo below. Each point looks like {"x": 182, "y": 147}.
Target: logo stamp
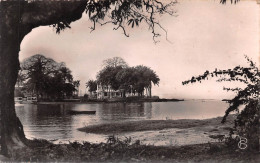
{"x": 242, "y": 144}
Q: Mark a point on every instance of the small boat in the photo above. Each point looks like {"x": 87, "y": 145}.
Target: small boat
{"x": 73, "y": 112}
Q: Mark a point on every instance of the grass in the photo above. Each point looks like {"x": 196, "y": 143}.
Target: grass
{"x": 127, "y": 151}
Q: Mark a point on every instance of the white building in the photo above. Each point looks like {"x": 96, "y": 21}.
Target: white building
{"x": 104, "y": 92}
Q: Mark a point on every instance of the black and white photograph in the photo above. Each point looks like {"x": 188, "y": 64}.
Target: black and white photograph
{"x": 130, "y": 81}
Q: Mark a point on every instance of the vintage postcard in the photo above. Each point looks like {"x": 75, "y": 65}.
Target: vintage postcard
{"x": 129, "y": 80}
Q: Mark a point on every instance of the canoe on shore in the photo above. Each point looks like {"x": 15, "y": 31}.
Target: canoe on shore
{"x": 72, "y": 112}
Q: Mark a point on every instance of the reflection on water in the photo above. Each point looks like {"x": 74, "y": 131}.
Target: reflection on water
{"x": 53, "y": 121}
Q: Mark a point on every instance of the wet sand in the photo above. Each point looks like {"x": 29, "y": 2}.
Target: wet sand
{"x": 166, "y": 132}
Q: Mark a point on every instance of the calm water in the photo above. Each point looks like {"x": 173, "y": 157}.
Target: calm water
{"x": 53, "y": 122}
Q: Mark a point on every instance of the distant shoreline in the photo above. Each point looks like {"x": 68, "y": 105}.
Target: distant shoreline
{"x": 119, "y": 100}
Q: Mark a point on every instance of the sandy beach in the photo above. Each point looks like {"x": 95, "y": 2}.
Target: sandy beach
{"x": 166, "y": 132}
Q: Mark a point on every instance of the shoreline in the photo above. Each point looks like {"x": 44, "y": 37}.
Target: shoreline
{"x": 109, "y": 101}
{"x": 207, "y": 125}
{"x": 130, "y": 150}
{"x": 166, "y": 132}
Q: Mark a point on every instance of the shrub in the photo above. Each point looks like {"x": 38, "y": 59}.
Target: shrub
{"x": 247, "y": 120}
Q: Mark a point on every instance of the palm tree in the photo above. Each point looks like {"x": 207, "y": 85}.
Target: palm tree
{"x": 76, "y": 84}
{"x": 92, "y": 86}
{"x": 146, "y": 76}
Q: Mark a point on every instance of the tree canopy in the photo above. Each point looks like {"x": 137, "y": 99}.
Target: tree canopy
{"x": 91, "y": 85}
{"x": 135, "y": 79}
{"x": 46, "y": 78}
{"x": 115, "y": 62}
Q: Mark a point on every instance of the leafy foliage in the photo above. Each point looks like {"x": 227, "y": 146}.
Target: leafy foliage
{"x": 115, "y": 62}
{"x": 76, "y": 85}
{"x": 247, "y": 120}
{"x": 107, "y": 77}
{"x": 123, "y": 13}
{"x": 20, "y": 79}
{"x": 91, "y": 85}
{"x": 231, "y": 1}
{"x": 46, "y": 78}
{"x": 129, "y": 79}
{"x": 144, "y": 77}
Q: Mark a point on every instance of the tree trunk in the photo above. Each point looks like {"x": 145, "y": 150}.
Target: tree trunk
{"x": 18, "y": 18}
{"x": 150, "y": 90}
{"x": 12, "y": 134}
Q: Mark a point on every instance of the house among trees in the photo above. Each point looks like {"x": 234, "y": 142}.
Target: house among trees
{"x": 104, "y": 92}
{"x": 118, "y": 80}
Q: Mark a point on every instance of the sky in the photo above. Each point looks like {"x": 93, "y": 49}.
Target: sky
{"x": 203, "y": 35}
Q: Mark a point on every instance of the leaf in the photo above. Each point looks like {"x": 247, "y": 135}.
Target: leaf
{"x": 136, "y": 22}
{"x": 130, "y": 21}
